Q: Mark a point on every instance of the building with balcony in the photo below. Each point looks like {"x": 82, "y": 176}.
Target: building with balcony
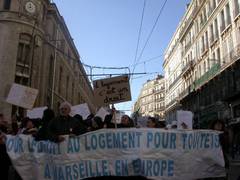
{"x": 151, "y": 99}
{"x": 208, "y": 37}
{"x": 172, "y": 73}
{"x": 205, "y": 47}
{"x": 37, "y": 50}
{"x": 210, "y": 54}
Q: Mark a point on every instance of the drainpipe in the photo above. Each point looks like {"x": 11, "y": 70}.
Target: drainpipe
{"x": 54, "y": 71}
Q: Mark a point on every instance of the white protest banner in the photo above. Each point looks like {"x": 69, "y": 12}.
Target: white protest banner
{"x": 112, "y": 90}
{"x": 185, "y": 117}
{"x": 36, "y": 112}
{"x": 81, "y": 109}
{"x": 154, "y": 153}
{"x": 22, "y": 96}
{"x": 102, "y": 113}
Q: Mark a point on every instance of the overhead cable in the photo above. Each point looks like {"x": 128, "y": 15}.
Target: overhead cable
{"x": 150, "y": 34}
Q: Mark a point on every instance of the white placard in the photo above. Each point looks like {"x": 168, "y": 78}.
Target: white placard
{"x": 185, "y": 117}
{"x": 102, "y": 113}
{"x": 142, "y": 121}
{"x": 81, "y": 109}
{"x": 22, "y": 96}
{"x": 36, "y": 112}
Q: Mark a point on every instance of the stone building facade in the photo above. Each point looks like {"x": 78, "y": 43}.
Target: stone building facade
{"x": 151, "y": 101}
{"x": 37, "y": 50}
{"x": 209, "y": 42}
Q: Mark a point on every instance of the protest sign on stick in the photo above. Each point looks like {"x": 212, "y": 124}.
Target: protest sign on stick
{"x": 112, "y": 90}
{"x": 22, "y": 96}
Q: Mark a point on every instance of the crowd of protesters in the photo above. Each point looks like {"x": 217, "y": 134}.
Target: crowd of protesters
{"x": 53, "y": 128}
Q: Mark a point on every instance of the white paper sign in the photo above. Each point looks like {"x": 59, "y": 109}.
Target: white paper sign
{"x": 81, "y": 109}
{"x": 153, "y": 153}
{"x": 36, "y": 112}
{"x": 142, "y": 121}
{"x": 185, "y": 117}
{"x": 102, "y": 113}
{"x": 22, "y": 96}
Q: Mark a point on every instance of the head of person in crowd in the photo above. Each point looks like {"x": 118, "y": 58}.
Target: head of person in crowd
{"x": 126, "y": 121}
{"x": 88, "y": 121}
{"x": 65, "y": 109}
{"x": 152, "y": 122}
{"x": 97, "y": 123}
{"x": 108, "y": 121}
{"x": 3, "y": 123}
{"x": 174, "y": 125}
{"x": 162, "y": 124}
{"x": 217, "y": 125}
{"x": 30, "y": 127}
{"x": 48, "y": 115}
{"x": 79, "y": 118}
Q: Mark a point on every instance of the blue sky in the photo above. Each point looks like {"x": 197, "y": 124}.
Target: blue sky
{"x": 105, "y": 33}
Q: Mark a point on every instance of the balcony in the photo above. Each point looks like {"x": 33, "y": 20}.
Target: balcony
{"x": 174, "y": 82}
{"x": 174, "y": 101}
{"x": 207, "y": 76}
{"x": 185, "y": 92}
{"x": 188, "y": 67}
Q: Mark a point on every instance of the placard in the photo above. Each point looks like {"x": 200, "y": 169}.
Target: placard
{"x": 22, "y": 96}
{"x": 36, "y": 112}
{"x": 102, "y": 113}
{"x": 185, "y": 117}
{"x": 112, "y": 90}
{"x": 81, "y": 109}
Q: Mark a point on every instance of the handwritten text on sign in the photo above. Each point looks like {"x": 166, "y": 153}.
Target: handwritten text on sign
{"x": 112, "y": 90}
{"x": 148, "y": 152}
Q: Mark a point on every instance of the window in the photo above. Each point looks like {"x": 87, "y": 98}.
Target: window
{"x": 204, "y": 67}
{"x": 7, "y": 4}
{"x": 228, "y": 15}
{"x": 211, "y": 33}
{"x": 50, "y": 72}
{"x": 73, "y": 87}
{"x": 23, "y": 60}
{"x": 67, "y": 85}
{"x": 23, "y": 53}
{"x": 213, "y": 4}
{"x": 202, "y": 45}
{"x": 216, "y": 34}
{"x": 60, "y": 80}
{"x": 222, "y": 21}
{"x": 218, "y": 55}
{"x": 206, "y": 40}
{"x": 237, "y": 7}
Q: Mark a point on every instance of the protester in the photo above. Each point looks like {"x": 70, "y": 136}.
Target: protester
{"x": 152, "y": 122}
{"x": 219, "y": 125}
{"x": 126, "y": 122}
{"x": 42, "y": 134}
{"x": 30, "y": 128}
{"x": 4, "y": 159}
{"x": 108, "y": 121}
{"x": 64, "y": 125}
{"x": 3, "y": 124}
{"x": 174, "y": 125}
{"x": 97, "y": 123}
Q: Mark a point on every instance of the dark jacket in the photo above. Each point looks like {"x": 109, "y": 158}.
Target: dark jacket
{"x": 62, "y": 125}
